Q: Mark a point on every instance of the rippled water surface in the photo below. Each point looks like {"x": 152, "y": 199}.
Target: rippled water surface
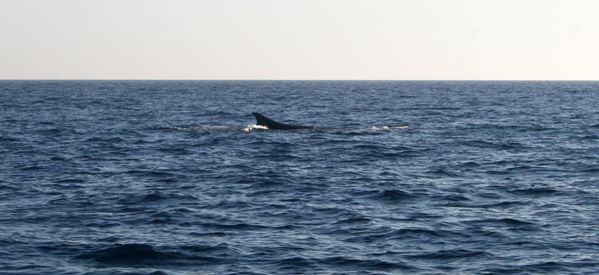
{"x": 398, "y": 177}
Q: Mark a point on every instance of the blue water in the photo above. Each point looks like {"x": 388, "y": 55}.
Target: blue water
{"x": 114, "y": 177}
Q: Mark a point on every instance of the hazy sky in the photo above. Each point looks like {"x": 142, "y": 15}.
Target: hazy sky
{"x": 299, "y": 39}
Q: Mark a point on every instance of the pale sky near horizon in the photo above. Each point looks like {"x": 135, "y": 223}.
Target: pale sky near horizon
{"x": 300, "y": 39}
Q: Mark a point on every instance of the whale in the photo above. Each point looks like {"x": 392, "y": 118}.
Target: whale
{"x": 274, "y": 125}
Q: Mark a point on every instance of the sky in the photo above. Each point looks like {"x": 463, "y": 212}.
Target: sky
{"x": 300, "y": 39}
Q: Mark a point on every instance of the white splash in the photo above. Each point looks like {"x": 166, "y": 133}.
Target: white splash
{"x": 379, "y": 128}
{"x": 253, "y": 127}
{"x": 388, "y": 128}
{"x": 186, "y": 129}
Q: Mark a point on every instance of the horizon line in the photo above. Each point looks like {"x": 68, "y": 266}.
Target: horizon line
{"x": 242, "y": 79}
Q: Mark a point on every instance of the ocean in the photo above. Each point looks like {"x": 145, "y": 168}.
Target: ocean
{"x": 398, "y": 177}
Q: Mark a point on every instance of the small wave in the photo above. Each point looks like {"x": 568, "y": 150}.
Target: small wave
{"x": 538, "y": 191}
{"x": 295, "y": 263}
{"x": 469, "y": 164}
{"x": 140, "y": 255}
{"x": 590, "y": 137}
{"x": 70, "y": 180}
{"x": 105, "y": 139}
{"x": 31, "y": 168}
{"x": 225, "y": 226}
{"x": 589, "y": 170}
{"x": 150, "y": 173}
{"x": 442, "y": 172}
{"x": 451, "y": 198}
{"x": 507, "y": 222}
{"x": 128, "y": 254}
{"x": 392, "y": 196}
{"x": 503, "y": 204}
{"x": 51, "y": 131}
{"x": 451, "y": 254}
{"x": 359, "y": 264}
{"x": 500, "y": 145}
{"x": 354, "y": 220}
{"x": 8, "y": 139}
{"x": 417, "y": 233}
{"x": 219, "y": 248}
{"x": 154, "y": 197}
{"x": 551, "y": 266}
{"x": 542, "y": 268}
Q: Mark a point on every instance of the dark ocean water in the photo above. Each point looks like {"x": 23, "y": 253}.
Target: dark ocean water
{"x": 110, "y": 177}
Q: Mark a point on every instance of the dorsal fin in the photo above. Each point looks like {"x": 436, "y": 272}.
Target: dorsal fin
{"x": 271, "y": 124}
